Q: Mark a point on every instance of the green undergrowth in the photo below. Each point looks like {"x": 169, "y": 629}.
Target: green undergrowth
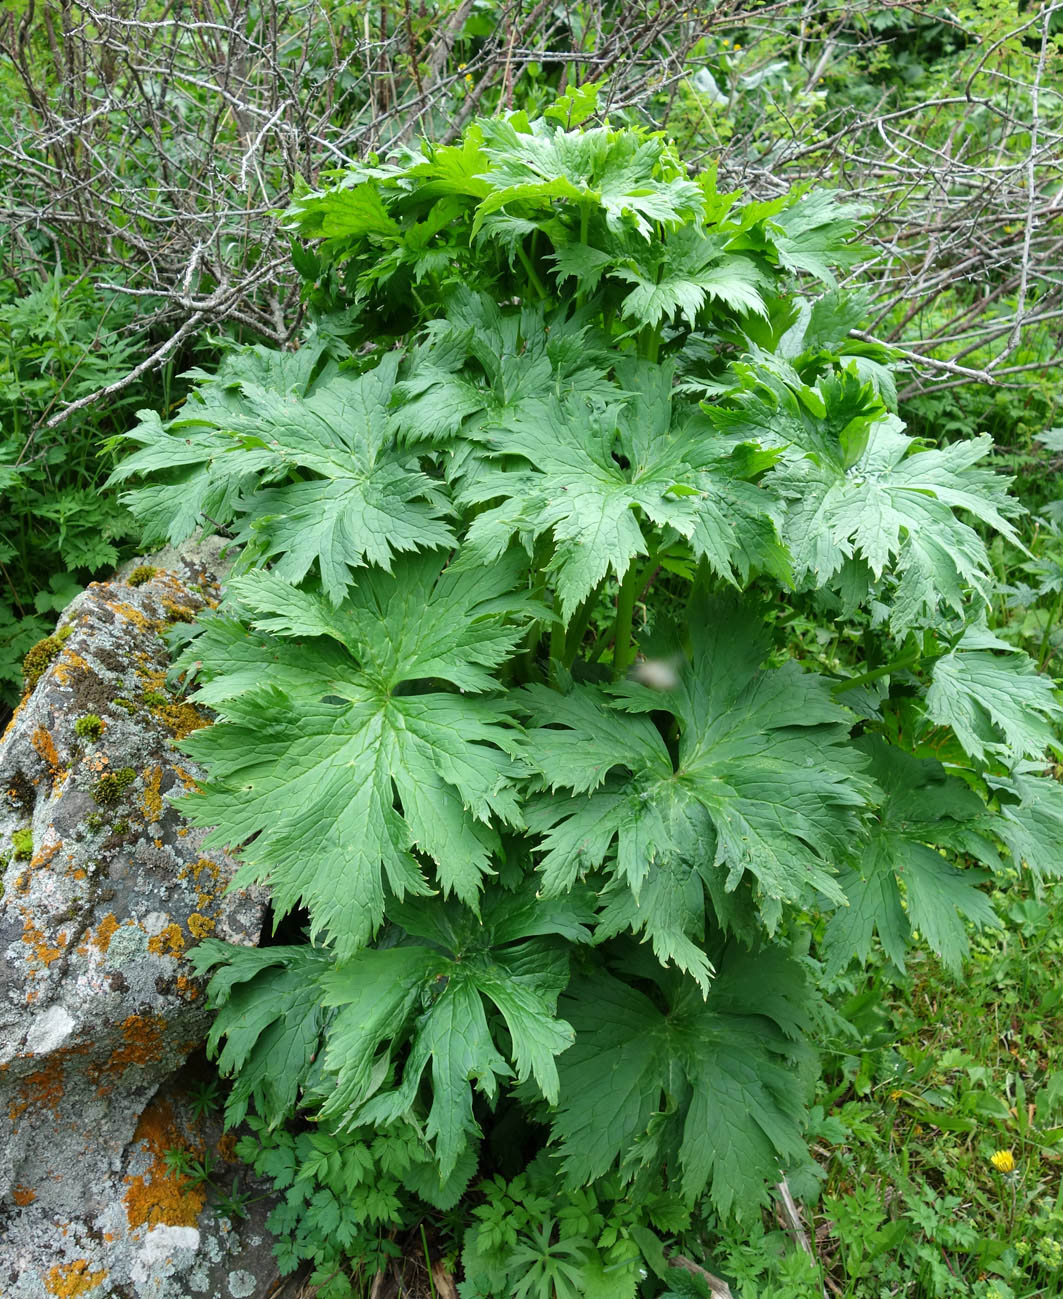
{"x": 938, "y": 1131}
{"x": 608, "y": 678}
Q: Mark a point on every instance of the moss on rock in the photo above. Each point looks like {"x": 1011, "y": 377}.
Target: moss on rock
{"x": 108, "y": 789}
{"x": 89, "y": 727}
{"x": 37, "y": 659}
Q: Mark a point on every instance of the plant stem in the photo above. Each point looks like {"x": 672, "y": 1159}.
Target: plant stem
{"x": 578, "y": 626}
{"x": 623, "y": 650}
{"x": 897, "y": 665}
{"x": 428, "y": 1261}
{"x": 531, "y": 272}
{"x": 557, "y": 641}
{"x": 1043, "y": 654}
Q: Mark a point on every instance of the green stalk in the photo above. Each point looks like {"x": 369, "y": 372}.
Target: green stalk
{"x": 650, "y": 342}
{"x": 530, "y": 270}
{"x": 623, "y": 649}
{"x": 557, "y": 641}
{"x": 897, "y": 665}
{"x": 1053, "y": 617}
{"x": 428, "y": 1261}
{"x": 578, "y": 627}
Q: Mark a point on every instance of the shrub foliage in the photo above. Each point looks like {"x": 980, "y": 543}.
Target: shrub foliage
{"x": 508, "y": 689}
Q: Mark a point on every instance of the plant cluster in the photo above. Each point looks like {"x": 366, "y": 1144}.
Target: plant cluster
{"x": 59, "y": 338}
{"x": 511, "y": 705}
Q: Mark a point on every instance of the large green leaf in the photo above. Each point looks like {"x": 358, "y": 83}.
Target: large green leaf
{"x": 764, "y": 785}
{"x": 607, "y": 483}
{"x": 903, "y": 880}
{"x": 994, "y": 699}
{"x": 707, "y": 1086}
{"x": 343, "y": 494}
{"x": 855, "y": 486}
{"x": 435, "y": 995}
{"x": 269, "y": 1011}
{"x": 356, "y": 773}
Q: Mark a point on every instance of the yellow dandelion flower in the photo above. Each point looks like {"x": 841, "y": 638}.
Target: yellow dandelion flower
{"x": 1003, "y": 1161}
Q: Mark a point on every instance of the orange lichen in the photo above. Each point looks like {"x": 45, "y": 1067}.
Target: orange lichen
{"x": 14, "y": 718}
{"x": 143, "y": 1043}
{"x": 132, "y": 614}
{"x": 182, "y": 719}
{"x": 42, "y": 1090}
{"x": 179, "y": 612}
{"x": 44, "y": 856}
{"x": 68, "y": 1280}
{"x": 151, "y": 799}
{"x": 187, "y": 988}
{"x": 34, "y": 938}
{"x": 45, "y": 746}
{"x": 189, "y": 781}
{"x": 68, "y": 664}
{"x": 168, "y": 942}
{"x": 160, "y": 1197}
{"x": 23, "y": 1195}
{"x": 200, "y": 926}
{"x": 105, "y": 932}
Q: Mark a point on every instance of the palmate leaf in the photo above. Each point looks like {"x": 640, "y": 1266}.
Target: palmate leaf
{"x": 689, "y": 269}
{"x": 995, "y": 700}
{"x": 269, "y": 1011}
{"x": 764, "y": 785}
{"x": 630, "y": 177}
{"x": 902, "y": 881}
{"x": 360, "y": 499}
{"x": 369, "y": 500}
{"x": 706, "y": 1086}
{"x": 596, "y": 477}
{"x": 435, "y": 995}
{"x": 199, "y": 480}
{"x": 1030, "y": 823}
{"x": 864, "y": 489}
{"x": 481, "y": 363}
{"x": 814, "y": 232}
{"x": 338, "y": 777}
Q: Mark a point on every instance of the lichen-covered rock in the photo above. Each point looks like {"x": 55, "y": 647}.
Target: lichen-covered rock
{"x": 104, "y": 888}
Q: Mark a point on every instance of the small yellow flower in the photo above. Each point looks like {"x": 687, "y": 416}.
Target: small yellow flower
{"x": 1003, "y": 1161}
{"x": 896, "y": 1094}
{"x": 737, "y": 46}
{"x": 468, "y": 78}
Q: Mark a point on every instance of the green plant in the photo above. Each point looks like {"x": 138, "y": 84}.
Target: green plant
{"x": 521, "y": 695}
{"x": 89, "y": 726}
{"x": 59, "y": 337}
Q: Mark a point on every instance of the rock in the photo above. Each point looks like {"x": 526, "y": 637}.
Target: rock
{"x": 104, "y": 888}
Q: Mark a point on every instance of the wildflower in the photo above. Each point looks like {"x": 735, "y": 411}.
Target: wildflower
{"x": 1003, "y": 1161}
{"x": 896, "y": 1094}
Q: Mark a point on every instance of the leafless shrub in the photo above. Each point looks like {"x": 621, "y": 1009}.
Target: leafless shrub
{"x": 160, "y": 139}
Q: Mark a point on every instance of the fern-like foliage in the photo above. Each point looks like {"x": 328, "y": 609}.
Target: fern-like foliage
{"x": 519, "y": 694}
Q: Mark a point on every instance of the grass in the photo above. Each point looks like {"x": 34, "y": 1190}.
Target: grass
{"x": 940, "y": 1131}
